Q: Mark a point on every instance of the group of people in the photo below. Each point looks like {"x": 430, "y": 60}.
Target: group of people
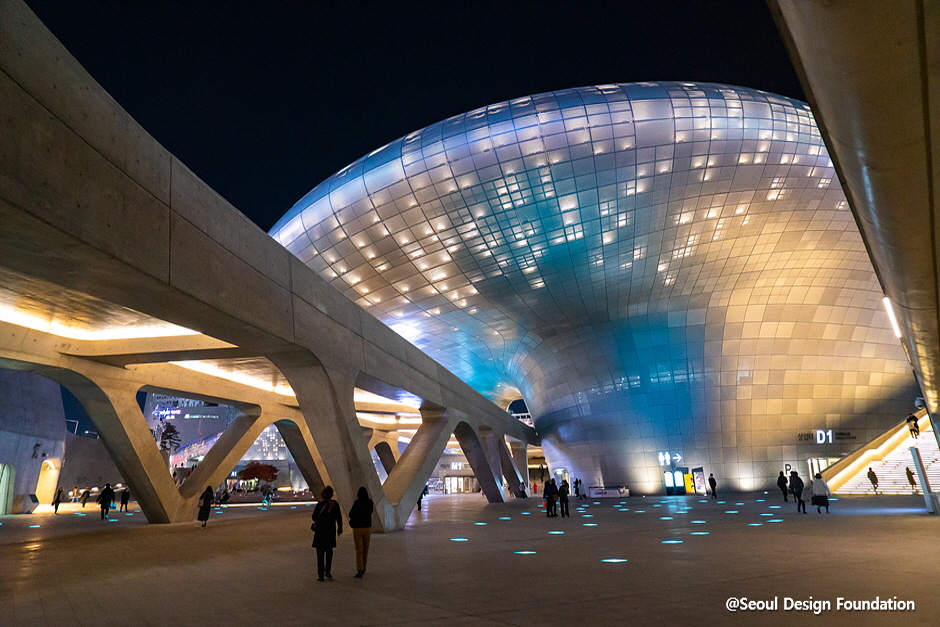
{"x": 553, "y": 494}
{"x": 818, "y": 490}
{"x": 105, "y": 499}
{"x": 328, "y": 525}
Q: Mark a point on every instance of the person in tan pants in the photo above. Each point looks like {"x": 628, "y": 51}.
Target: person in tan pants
{"x": 360, "y": 519}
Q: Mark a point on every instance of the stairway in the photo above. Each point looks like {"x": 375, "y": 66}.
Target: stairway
{"x": 890, "y": 469}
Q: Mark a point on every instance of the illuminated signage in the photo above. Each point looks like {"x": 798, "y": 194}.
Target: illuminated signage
{"x": 824, "y": 436}
{"x": 667, "y": 459}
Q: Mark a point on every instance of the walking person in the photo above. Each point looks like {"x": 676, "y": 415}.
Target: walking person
{"x": 874, "y": 480}
{"x": 783, "y": 485}
{"x": 912, "y": 425}
{"x": 796, "y": 487}
{"x": 125, "y": 499}
{"x": 713, "y": 485}
{"x": 563, "y": 498}
{"x": 85, "y": 496}
{"x": 205, "y": 505}
{"x": 819, "y": 491}
{"x": 106, "y": 500}
{"x": 360, "y": 521}
{"x": 56, "y": 501}
{"x": 910, "y": 478}
{"x": 327, "y": 525}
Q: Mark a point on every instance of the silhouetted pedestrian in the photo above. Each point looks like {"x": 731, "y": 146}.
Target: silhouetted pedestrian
{"x": 912, "y": 425}
{"x": 205, "y": 505}
{"x": 125, "y": 499}
{"x": 819, "y": 494}
{"x": 910, "y": 478}
{"x": 550, "y": 494}
{"x": 563, "y": 499}
{"x": 713, "y": 485}
{"x": 783, "y": 485}
{"x": 360, "y": 521}
{"x": 421, "y": 496}
{"x": 56, "y": 500}
{"x": 105, "y": 500}
{"x": 327, "y": 525}
{"x": 874, "y": 480}
{"x": 85, "y": 496}
{"x": 796, "y": 487}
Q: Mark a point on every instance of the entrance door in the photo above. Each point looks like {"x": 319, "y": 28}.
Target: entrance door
{"x": 48, "y": 477}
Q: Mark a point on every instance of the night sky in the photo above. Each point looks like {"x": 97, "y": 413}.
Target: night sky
{"x": 265, "y": 100}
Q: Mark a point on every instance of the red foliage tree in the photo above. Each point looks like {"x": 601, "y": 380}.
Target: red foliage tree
{"x": 259, "y": 471}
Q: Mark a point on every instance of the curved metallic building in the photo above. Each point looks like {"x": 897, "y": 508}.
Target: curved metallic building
{"x": 653, "y": 267}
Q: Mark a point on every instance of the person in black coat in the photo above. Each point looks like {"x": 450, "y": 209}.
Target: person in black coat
{"x": 106, "y": 500}
{"x": 205, "y": 505}
{"x": 713, "y": 485}
{"x": 327, "y": 525}
{"x": 782, "y": 484}
{"x": 563, "y": 499}
{"x": 360, "y": 521}
{"x": 796, "y": 486}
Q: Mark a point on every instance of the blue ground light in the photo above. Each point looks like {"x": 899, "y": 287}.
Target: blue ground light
{"x": 699, "y": 533}
{"x": 589, "y": 525}
{"x": 459, "y": 540}
{"x": 673, "y": 541}
{"x": 775, "y": 520}
{"x": 505, "y": 517}
{"x": 556, "y": 533}
{"x": 524, "y": 552}
{"x": 614, "y": 560}
{"x": 34, "y": 526}
{"x": 666, "y": 518}
{"x": 698, "y": 522}
{"x": 755, "y": 524}
{"x": 526, "y": 513}
{"x": 731, "y": 511}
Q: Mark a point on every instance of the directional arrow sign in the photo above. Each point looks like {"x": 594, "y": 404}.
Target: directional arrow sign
{"x": 677, "y": 458}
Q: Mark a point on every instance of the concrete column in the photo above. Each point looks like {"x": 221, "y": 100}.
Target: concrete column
{"x": 302, "y": 448}
{"x": 112, "y": 407}
{"x": 486, "y": 471}
{"x": 410, "y": 474}
{"x": 520, "y": 455}
{"x": 508, "y": 465}
{"x": 386, "y": 456}
{"x": 326, "y": 401}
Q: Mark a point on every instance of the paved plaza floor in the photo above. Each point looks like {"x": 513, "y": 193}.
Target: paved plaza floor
{"x": 462, "y": 562}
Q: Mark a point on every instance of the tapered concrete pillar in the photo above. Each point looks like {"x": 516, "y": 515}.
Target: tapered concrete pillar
{"x": 410, "y": 474}
{"x": 520, "y": 455}
{"x": 325, "y": 398}
{"x": 484, "y": 466}
{"x": 120, "y": 424}
{"x": 304, "y": 451}
{"x": 508, "y": 465}
{"x": 386, "y": 456}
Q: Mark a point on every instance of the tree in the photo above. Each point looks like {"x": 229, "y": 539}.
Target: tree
{"x": 259, "y": 471}
{"x": 170, "y": 438}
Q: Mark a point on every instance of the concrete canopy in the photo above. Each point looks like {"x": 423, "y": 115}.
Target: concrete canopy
{"x": 656, "y": 267}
